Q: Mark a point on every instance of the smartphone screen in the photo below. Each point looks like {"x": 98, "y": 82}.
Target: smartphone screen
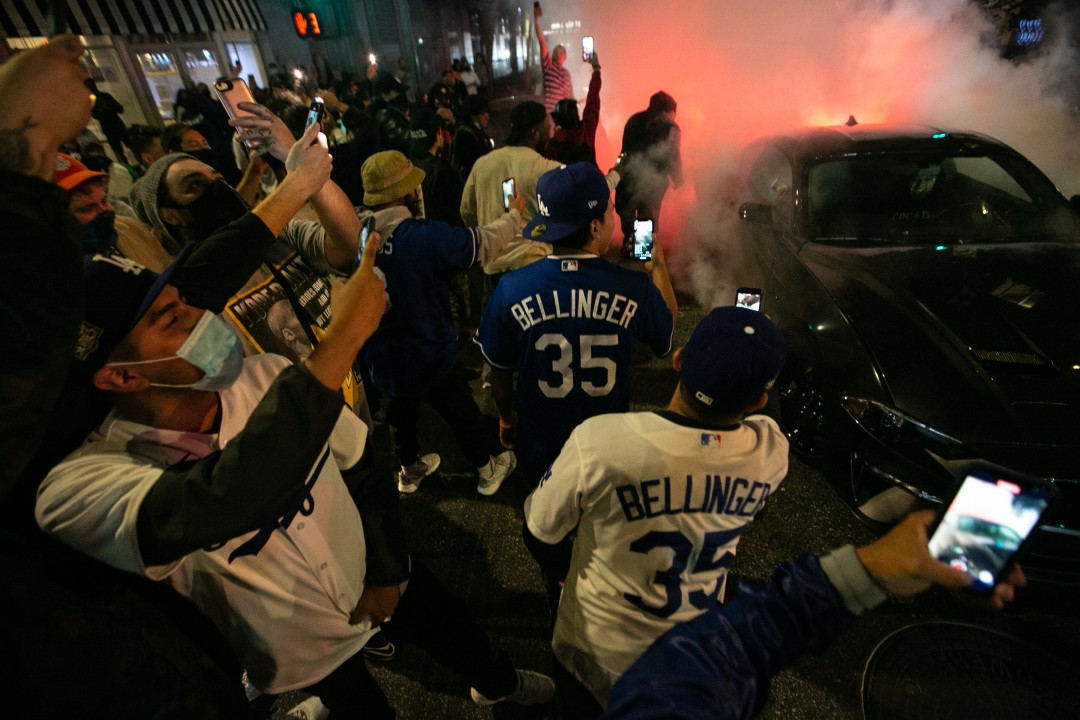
{"x": 643, "y": 239}
{"x": 586, "y": 48}
{"x": 315, "y": 113}
{"x": 986, "y": 523}
{"x": 748, "y": 297}
{"x": 509, "y": 190}
{"x": 365, "y": 230}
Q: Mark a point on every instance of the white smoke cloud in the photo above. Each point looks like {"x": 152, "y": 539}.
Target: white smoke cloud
{"x": 741, "y": 70}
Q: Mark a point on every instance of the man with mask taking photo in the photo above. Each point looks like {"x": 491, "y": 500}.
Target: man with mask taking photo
{"x": 104, "y": 231}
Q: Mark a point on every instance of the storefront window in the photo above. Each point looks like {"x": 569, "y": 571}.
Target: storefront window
{"x": 159, "y": 69}
{"x": 245, "y": 53}
{"x": 202, "y": 66}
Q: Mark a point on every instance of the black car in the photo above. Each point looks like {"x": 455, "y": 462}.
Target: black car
{"x": 928, "y": 283}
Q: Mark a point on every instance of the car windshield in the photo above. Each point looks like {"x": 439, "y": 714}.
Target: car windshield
{"x": 922, "y": 199}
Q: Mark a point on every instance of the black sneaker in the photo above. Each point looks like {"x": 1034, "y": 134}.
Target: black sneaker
{"x": 379, "y": 648}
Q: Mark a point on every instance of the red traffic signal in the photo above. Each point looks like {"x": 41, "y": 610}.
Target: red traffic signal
{"x": 306, "y": 23}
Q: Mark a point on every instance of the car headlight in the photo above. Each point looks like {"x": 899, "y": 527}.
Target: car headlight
{"x": 893, "y": 427}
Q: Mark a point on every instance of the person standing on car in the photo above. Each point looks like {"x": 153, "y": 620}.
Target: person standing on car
{"x": 557, "y": 82}
{"x": 651, "y": 159}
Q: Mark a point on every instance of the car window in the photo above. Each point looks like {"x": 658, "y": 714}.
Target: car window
{"x": 769, "y": 181}
{"x": 916, "y": 199}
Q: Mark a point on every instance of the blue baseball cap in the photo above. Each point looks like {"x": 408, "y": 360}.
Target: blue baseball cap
{"x": 732, "y": 357}
{"x": 117, "y": 292}
{"x": 567, "y": 198}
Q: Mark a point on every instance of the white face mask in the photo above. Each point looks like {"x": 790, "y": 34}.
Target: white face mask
{"x": 212, "y": 347}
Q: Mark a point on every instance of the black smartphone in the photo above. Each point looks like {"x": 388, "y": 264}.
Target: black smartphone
{"x": 316, "y": 112}
{"x": 586, "y": 48}
{"x": 748, "y": 297}
{"x": 365, "y": 230}
{"x": 986, "y": 522}
{"x": 643, "y": 239}
{"x": 509, "y": 190}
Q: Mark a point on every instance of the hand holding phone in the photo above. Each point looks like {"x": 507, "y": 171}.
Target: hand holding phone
{"x": 231, "y": 93}
{"x": 509, "y": 190}
{"x": 365, "y": 233}
{"x": 586, "y": 48}
{"x": 643, "y": 239}
{"x": 986, "y": 523}
{"x": 316, "y": 113}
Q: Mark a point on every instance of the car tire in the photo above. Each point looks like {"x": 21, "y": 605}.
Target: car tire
{"x": 802, "y": 413}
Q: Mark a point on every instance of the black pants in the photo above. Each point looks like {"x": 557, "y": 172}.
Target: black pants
{"x": 575, "y": 700}
{"x": 430, "y": 618}
{"x": 452, "y": 399}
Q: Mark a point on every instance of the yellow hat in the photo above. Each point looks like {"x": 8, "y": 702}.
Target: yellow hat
{"x": 387, "y": 176}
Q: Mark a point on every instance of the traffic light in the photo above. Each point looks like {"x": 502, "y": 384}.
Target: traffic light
{"x": 306, "y": 22}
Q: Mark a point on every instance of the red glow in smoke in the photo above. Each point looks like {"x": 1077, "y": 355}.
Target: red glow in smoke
{"x": 740, "y": 71}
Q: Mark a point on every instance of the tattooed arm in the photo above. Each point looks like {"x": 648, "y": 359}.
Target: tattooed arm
{"x": 33, "y": 84}
{"x": 331, "y": 204}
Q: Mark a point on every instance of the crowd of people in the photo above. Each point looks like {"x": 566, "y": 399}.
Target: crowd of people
{"x": 209, "y": 324}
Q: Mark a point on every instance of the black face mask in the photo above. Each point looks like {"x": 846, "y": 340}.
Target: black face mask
{"x": 205, "y": 155}
{"x": 217, "y": 207}
{"x": 99, "y": 235}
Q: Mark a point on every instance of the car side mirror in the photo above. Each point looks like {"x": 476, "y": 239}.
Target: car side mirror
{"x": 759, "y": 213}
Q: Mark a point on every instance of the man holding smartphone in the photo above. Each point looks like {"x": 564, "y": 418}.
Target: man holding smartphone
{"x": 574, "y": 139}
{"x": 412, "y": 358}
{"x": 719, "y": 664}
{"x": 568, "y": 322}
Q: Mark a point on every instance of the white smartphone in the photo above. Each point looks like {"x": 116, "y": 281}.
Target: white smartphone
{"x": 586, "y": 48}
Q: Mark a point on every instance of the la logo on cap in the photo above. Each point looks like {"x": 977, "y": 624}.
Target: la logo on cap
{"x": 543, "y": 208}
{"x": 121, "y": 262}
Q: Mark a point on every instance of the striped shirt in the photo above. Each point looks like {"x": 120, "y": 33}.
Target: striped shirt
{"x": 557, "y": 83}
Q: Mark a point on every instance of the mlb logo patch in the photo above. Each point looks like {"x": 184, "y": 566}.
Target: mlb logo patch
{"x": 569, "y": 265}
{"x": 709, "y": 439}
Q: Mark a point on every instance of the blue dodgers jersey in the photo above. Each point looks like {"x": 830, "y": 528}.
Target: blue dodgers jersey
{"x": 568, "y": 324}
{"x": 416, "y": 342}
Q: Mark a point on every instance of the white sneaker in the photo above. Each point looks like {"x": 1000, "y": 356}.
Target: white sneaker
{"x": 533, "y": 688}
{"x": 408, "y": 478}
{"x": 310, "y": 709}
{"x": 492, "y": 475}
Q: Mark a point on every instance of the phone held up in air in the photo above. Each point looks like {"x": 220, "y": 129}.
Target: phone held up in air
{"x": 643, "y": 239}
{"x": 509, "y": 190}
{"x": 749, "y": 298}
{"x": 986, "y": 523}
{"x": 316, "y": 112}
{"x": 365, "y": 231}
{"x": 231, "y": 93}
{"x": 586, "y": 48}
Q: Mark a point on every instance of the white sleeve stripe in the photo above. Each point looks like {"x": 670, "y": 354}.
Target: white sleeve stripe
{"x": 475, "y": 235}
{"x": 489, "y": 361}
